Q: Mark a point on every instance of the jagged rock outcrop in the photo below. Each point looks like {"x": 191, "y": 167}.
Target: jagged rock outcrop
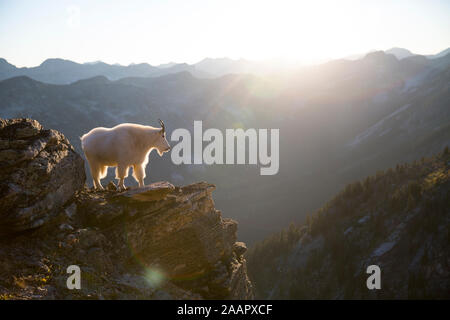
{"x": 156, "y": 242}
{"x": 176, "y": 232}
{"x": 40, "y": 171}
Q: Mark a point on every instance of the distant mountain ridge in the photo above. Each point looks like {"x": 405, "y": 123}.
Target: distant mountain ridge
{"x": 441, "y": 54}
{"x": 60, "y": 71}
{"x": 399, "y": 53}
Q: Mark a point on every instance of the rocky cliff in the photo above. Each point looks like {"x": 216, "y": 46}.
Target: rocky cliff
{"x": 157, "y": 242}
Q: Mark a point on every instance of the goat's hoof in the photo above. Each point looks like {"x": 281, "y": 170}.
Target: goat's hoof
{"x": 111, "y": 186}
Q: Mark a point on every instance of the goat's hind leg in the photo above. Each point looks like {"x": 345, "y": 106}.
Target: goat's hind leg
{"x": 121, "y": 174}
{"x": 139, "y": 174}
{"x": 96, "y": 176}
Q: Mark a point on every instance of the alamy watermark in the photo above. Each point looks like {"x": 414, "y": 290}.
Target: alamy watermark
{"x": 374, "y": 281}
{"x": 74, "y": 280}
{"x": 235, "y": 140}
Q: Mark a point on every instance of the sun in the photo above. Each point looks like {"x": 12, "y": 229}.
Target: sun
{"x": 306, "y": 31}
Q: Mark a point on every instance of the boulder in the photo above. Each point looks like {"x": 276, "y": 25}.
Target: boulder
{"x": 39, "y": 173}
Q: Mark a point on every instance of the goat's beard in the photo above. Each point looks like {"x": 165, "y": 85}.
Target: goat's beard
{"x": 160, "y": 152}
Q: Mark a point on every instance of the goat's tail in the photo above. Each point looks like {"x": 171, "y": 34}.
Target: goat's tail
{"x": 82, "y": 141}
{"x": 82, "y": 144}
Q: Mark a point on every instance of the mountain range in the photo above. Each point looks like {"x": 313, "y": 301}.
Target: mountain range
{"x": 400, "y": 53}
{"x": 60, "y": 71}
{"x": 339, "y": 122}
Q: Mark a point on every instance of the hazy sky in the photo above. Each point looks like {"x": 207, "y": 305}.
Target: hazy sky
{"x": 190, "y": 30}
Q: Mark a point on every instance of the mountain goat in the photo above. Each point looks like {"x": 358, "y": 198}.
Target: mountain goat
{"x": 123, "y": 146}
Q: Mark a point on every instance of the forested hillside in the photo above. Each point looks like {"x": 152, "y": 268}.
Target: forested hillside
{"x": 398, "y": 219}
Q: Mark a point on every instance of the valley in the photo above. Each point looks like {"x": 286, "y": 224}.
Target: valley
{"x": 338, "y": 122}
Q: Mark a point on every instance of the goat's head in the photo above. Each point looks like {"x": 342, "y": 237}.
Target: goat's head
{"x": 161, "y": 143}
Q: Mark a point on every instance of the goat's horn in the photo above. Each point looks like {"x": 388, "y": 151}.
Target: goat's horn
{"x": 162, "y": 125}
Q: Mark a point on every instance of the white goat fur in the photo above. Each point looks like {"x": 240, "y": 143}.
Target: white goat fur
{"x": 123, "y": 146}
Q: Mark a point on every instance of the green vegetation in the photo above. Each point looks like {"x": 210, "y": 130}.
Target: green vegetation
{"x": 325, "y": 256}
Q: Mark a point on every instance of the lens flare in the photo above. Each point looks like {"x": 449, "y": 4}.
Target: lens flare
{"x": 154, "y": 277}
